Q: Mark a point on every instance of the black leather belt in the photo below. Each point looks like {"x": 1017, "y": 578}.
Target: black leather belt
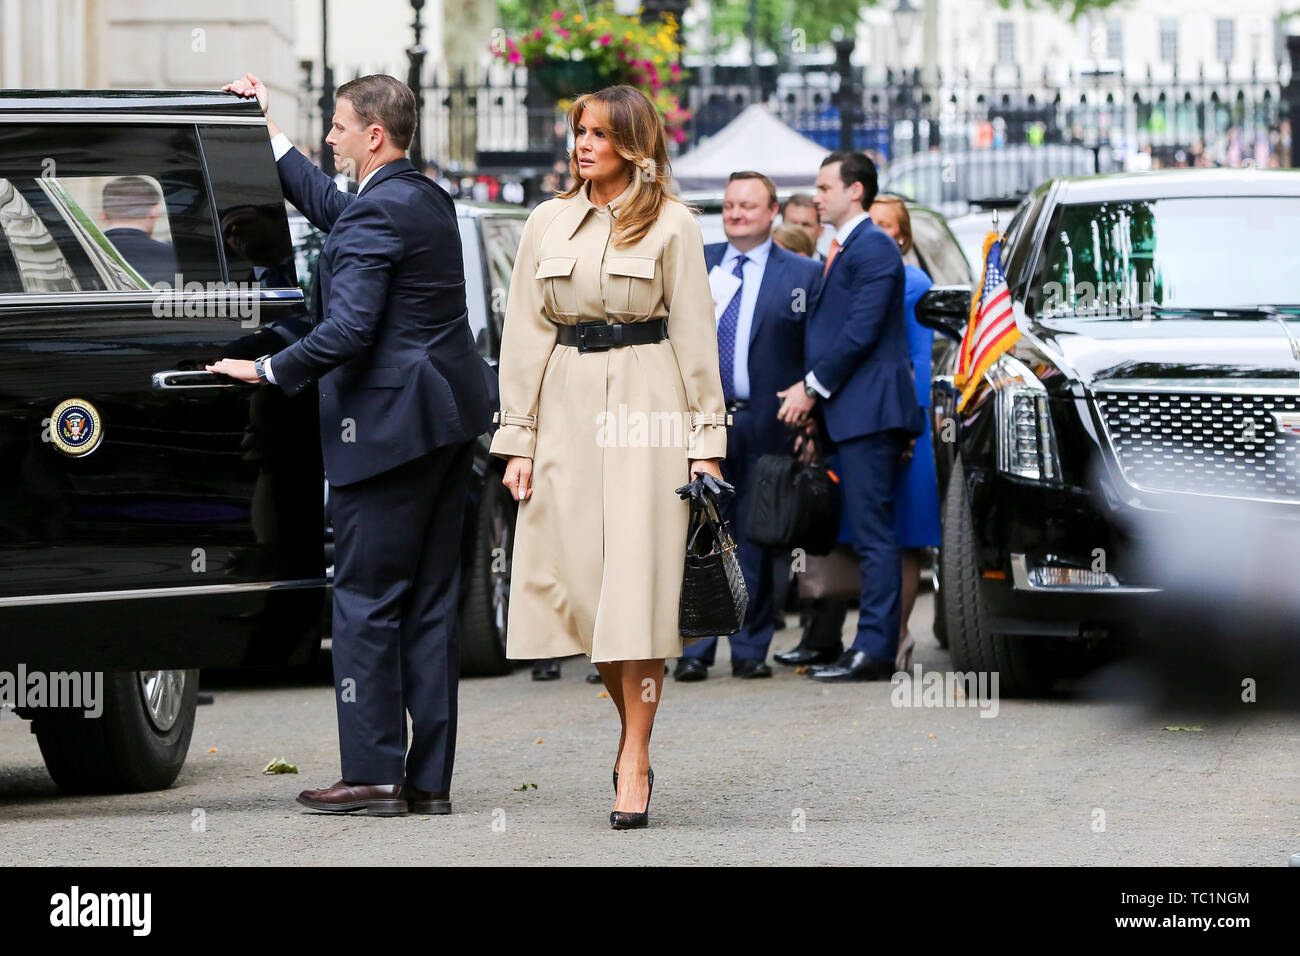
{"x": 737, "y": 404}
{"x": 598, "y": 336}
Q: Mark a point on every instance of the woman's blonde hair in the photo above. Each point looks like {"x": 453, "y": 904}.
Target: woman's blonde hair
{"x": 794, "y": 239}
{"x": 904, "y": 220}
{"x": 636, "y": 132}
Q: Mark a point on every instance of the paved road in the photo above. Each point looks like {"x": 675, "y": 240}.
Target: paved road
{"x": 779, "y": 771}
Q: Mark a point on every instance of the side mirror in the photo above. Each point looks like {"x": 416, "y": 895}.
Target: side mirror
{"x": 946, "y": 309}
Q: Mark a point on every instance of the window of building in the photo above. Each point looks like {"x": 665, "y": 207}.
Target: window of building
{"x": 1114, "y": 39}
{"x": 1006, "y": 42}
{"x": 1224, "y": 39}
{"x": 1169, "y": 40}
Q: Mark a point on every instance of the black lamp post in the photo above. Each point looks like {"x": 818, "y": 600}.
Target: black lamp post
{"x": 414, "y": 79}
{"x": 1292, "y": 95}
{"x": 846, "y": 98}
{"x": 326, "y": 92}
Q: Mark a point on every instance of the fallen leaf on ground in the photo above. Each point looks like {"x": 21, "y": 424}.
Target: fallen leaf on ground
{"x": 603, "y": 693}
{"x": 1193, "y": 727}
{"x": 212, "y": 750}
{"x": 527, "y": 786}
{"x": 280, "y": 765}
{"x": 538, "y": 740}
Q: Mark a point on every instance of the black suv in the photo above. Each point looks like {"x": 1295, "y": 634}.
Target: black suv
{"x": 155, "y": 518}
{"x": 1157, "y": 378}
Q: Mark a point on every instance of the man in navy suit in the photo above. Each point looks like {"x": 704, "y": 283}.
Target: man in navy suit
{"x": 760, "y": 349}
{"x": 129, "y": 208}
{"x": 860, "y": 379}
{"x": 403, "y": 395}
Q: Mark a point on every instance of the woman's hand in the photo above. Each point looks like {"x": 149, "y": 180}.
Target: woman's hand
{"x": 706, "y": 466}
{"x": 519, "y": 477}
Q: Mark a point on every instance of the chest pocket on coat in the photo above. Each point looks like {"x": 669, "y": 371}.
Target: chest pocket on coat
{"x": 555, "y": 273}
{"x": 633, "y": 289}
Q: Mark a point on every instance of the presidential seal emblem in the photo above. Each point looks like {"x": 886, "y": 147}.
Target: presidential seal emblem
{"x": 75, "y": 427}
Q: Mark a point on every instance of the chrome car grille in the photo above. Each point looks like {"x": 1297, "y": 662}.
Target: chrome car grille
{"x": 1212, "y": 443}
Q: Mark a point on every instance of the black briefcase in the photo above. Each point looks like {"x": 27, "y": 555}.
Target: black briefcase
{"x": 794, "y": 504}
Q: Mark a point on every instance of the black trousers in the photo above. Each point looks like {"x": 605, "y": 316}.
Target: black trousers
{"x": 396, "y": 641}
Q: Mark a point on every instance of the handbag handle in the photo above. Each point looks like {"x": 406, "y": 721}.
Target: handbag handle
{"x": 701, "y": 493}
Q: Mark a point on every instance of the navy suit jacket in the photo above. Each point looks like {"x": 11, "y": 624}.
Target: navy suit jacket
{"x": 154, "y": 260}
{"x": 776, "y": 339}
{"x": 390, "y": 340}
{"x": 856, "y": 341}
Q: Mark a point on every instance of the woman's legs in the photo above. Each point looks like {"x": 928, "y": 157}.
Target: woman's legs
{"x": 642, "y": 685}
{"x": 912, "y": 559}
{"x": 611, "y": 672}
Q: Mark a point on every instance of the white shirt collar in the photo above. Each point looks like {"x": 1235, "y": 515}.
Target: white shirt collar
{"x": 371, "y": 175}
{"x": 843, "y": 234}
{"x": 758, "y": 255}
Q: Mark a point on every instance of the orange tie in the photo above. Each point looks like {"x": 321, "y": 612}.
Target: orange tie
{"x": 835, "y": 247}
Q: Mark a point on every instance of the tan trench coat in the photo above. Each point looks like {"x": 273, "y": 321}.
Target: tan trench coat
{"x": 600, "y": 545}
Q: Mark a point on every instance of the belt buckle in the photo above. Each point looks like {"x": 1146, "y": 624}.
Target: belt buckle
{"x": 595, "y": 336}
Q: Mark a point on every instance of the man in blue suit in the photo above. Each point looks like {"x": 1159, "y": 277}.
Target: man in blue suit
{"x": 403, "y": 396}
{"x": 860, "y": 379}
{"x": 760, "y": 349}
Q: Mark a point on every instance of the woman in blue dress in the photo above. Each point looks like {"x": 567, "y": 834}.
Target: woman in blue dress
{"x": 916, "y": 490}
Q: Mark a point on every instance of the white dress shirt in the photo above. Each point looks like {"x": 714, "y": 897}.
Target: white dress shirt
{"x": 280, "y": 145}
{"x": 751, "y": 279}
{"x": 841, "y": 237}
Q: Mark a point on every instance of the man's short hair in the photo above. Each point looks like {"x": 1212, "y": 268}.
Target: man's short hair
{"x": 751, "y": 174}
{"x": 382, "y": 100}
{"x": 801, "y": 199}
{"x": 856, "y": 168}
{"x": 129, "y": 197}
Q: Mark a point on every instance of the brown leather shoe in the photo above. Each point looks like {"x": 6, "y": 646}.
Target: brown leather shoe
{"x": 425, "y": 801}
{"x": 383, "y": 800}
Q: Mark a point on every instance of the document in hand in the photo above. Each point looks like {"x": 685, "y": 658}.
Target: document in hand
{"x": 723, "y": 284}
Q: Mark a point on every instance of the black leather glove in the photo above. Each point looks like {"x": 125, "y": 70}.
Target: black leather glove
{"x": 705, "y": 483}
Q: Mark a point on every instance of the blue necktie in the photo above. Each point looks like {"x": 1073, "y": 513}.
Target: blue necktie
{"x": 727, "y": 334}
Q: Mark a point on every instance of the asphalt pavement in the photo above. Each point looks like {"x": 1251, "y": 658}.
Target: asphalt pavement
{"x": 780, "y": 771}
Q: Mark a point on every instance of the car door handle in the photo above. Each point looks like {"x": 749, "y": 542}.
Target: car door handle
{"x": 177, "y": 379}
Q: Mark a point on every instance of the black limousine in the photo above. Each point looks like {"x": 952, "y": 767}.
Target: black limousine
{"x": 1157, "y": 378}
{"x": 154, "y": 518}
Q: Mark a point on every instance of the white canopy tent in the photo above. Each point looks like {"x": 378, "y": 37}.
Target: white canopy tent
{"x": 753, "y": 140}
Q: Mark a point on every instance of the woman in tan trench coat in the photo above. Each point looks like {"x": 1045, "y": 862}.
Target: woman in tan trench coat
{"x": 598, "y": 438}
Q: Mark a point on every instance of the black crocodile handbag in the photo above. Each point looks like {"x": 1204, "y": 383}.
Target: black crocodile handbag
{"x": 714, "y": 598}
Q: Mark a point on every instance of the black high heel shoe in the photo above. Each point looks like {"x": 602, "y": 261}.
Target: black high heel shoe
{"x": 627, "y": 820}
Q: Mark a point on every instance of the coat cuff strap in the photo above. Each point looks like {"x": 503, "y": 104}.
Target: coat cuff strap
{"x": 510, "y": 418}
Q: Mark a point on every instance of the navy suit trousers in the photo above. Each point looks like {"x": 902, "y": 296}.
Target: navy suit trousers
{"x": 396, "y": 582}
{"x": 868, "y": 469}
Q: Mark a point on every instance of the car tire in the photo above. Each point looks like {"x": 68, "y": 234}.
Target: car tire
{"x": 1021, "y": 662}
{"x": 483, "y": 613}
{"x": 940, "y": 609}
{"x": 135, "y": 744}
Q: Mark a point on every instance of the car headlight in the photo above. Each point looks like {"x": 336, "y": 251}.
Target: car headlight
{"x": 1026, "y": 441}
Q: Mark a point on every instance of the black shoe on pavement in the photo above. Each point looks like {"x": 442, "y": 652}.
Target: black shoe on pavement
{"x": 690, "y": 669}
{"x": 801, "y": 656}
{"x": 750, "y": 668}
{"x": 594, "y": 677}
{"x": 854, "y": 666}
{"x": 546, "y": 670}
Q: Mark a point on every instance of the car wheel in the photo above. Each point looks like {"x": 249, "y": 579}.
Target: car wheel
{"x": 138, "y": 742}
{"x": 487, "y": 600}
{"x": 1021, "y": 662}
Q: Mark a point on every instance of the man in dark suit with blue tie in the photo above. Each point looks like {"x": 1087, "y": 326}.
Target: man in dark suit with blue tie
{"x": 760, "y": 349}
{"x": 403, "y": 395}
{"x": 860, "y": 376}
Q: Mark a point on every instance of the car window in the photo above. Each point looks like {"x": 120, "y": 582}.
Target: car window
{"x": 937, "y": 253}
{"x": 501, "y": 236}
{"x": 250, "y": 206}
{"x": 1020, "y": 239}
{"x": 113, "y": 208}
{"x": 30, "y": 259}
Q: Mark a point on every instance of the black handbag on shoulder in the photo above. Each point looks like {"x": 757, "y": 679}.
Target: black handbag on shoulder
{"x": 794, "y": 504}
{"x": 714, "y": 598}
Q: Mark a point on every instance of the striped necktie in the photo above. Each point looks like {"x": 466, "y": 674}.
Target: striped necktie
{"x": 727, "y": 333}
